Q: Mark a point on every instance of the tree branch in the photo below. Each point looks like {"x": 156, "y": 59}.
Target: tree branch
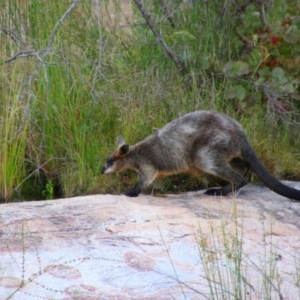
{"x": 159, "y": 38}
{"x": 58, "y": 23}
{"x": 45, "y": 52}
{"x": 248, "y": 44}
{"x": 13, "y": 36}
{"x": 26, "y": 53}
{"x": 164, "y": 10}
{"x": 262, "y": 12}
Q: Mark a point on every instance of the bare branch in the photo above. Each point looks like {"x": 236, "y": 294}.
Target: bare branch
{"x": 23, "y": 54}
{"x": 40, "y": 168}
{"x": 27, "y": 53}
{"x": 13, "y": 36}
{"x": 248, "y": 44}
{"x": 159, "y": 38}
{"x": 163, "y": 8}
{"x": 58, "y": 24}
{"x": 262, "y": 12}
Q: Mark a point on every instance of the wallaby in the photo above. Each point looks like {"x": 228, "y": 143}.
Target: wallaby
{"x": 198, "y": 142}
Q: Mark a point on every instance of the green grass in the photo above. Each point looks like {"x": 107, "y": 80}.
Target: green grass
{"x": 96, "y": 74}
{"x": 231, "y": 271}
{"x": 239, "y": 260}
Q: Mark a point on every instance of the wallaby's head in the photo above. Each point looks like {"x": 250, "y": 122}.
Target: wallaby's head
{"x": 115, "y": 162}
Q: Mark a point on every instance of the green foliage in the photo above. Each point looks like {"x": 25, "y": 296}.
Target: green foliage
{"x": 48, "y": 192}
{"x": 270, "y": 56}
{"x": 78, "y": 73}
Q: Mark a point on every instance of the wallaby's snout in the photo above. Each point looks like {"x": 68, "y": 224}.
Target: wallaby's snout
{"x": 103, "y": 170}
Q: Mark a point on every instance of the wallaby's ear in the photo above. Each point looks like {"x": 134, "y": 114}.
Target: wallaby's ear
{"x": 123, "y": 150}
{"x": 120, "y": 141}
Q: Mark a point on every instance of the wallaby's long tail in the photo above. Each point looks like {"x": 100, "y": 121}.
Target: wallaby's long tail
{"x": 257, "y": 167}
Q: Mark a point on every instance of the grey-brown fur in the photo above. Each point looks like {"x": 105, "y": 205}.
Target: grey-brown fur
{"x": 198, "y": 142}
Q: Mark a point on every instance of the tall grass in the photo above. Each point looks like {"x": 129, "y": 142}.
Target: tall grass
{"x": 232, "y": 272}
{"x": 13, "y": 129}
{"x": 87, "y": 72}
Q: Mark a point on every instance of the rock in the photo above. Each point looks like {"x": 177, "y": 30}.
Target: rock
{"x": 185, "y": 246}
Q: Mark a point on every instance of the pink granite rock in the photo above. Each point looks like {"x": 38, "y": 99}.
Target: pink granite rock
{"x": 186, "y": 246}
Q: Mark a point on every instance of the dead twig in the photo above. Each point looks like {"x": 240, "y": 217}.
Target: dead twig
{"x": 159, "y": 38}
{"x": 23, "y": 54}
{"x": 58, "y": 24}
{"x": 13, "y": 36}
{"x": 164, "y": 10}
{"x": 248, "y": 44}
{"x": 27, "y": 53}
{"x": 262, "y": 13}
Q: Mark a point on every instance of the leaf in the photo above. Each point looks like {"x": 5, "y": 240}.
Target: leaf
{"x": 292, "y": 35}
{"x": 277, "y": 72}
{"x": 264, "y": 73}
{"x": 289, "y": 88}
{"x": 260, "y": 81}
{"x": 204, "y": 62}
{"x": 238, "y": 68}
{"x": 254, "y": 97}
{"x": 236, "y": 91}
{"x": 230, "y": 93}
{"x": 240, "y": 92}
{"x": 254, "y": 57}
{"x": 296, "y": 96}
{"x": 279, "y": 75}
{"x": 227, "y": 67}
{"x": 241, "y": 68}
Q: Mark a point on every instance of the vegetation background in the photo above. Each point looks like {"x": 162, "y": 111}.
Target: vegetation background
{"x": 76, "y": 74}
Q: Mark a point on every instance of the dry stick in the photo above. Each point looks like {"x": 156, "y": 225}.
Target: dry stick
{"x": 272, "y": 99}
{"x": 50, "y": 42}
{"x": 159, "y": 38}
{"x": 241, "y": 9}
{"x": 262, "y": 13}
{"x": 39, "y": 168}
{"x": 248, "y": 44}
{"x": 59, "y": 22}
{"x": 23, "y": 54}
{"x": 13, "y": 36}
{"x": 163, "y": 8}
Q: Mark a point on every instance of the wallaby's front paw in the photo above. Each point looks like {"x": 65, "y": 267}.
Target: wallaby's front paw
{"x": 132, "y": 194}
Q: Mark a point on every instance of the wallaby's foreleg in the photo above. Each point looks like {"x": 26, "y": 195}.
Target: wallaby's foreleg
{"x": 142, "y": 183}
{"x": 134, "y": 192}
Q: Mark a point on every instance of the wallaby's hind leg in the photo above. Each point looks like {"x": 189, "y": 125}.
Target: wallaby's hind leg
{"x": 240, "y": 166}
{"x": 236, "y": 181}
{"x": 230, "y": 171}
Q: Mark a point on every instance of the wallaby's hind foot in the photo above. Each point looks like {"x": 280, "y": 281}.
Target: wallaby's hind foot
{"x": 214, "y": 192}
{"x": 223, "y": 191}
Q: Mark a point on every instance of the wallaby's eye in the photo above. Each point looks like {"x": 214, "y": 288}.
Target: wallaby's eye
{"x": 109, "y": 162}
